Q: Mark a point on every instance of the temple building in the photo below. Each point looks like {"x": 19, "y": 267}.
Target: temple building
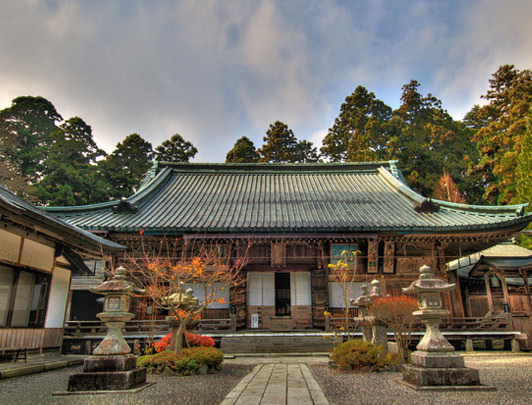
{"x": 38, "y": 255}
{"x": 300, "y": 218}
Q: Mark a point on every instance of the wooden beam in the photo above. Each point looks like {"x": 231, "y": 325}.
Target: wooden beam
{"x": 502, "y": 277}
{"x": 488, "y": 292}
{"x": 524, "y": 276}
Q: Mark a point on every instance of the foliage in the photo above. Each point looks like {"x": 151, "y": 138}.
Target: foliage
{"x": 360, "y": 131}
{"x": 281, "y": 146}
{"x": 360, "y": 355}
{"x": 167, "y": 270}
{"x": 243, "y": 152}
{"x": 524, "y": 176}
{"x": 71, "y": 175}
{"x": 447, "y": 190}
{"x": 427, "y": 141}
{"x": 24, "y": 130}
{"x": 192, "y": 340}
{"x": 397, "y": 313}
{"x": 346, "y": 270}
{"x": 187, "y": 362}
{"x": 501, "y": 127}
{"x": 211, "y": 356}
{"x": 126, "y": 166}
{"x": 175, "y": 149}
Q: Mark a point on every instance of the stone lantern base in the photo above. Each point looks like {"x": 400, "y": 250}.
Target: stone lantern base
{"x": 102, "y": 373}
{"x": 440, "y": 371}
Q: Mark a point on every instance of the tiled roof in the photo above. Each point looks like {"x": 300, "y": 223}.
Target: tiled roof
{"x": 283, "y": 198}
{"x": 20, "y": 208}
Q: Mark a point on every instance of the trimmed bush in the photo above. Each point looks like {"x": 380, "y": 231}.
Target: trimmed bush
{"x": 188, "y": 362}
{"x": 360, "y": 355}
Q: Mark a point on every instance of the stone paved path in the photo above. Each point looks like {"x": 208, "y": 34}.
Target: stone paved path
{"x": 268, "y": 384}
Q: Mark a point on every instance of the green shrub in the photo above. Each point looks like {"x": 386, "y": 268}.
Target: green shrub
{"x": 360, "y": 355}
{"x": 211, "y": 356}
{"x": 188, "y": 362}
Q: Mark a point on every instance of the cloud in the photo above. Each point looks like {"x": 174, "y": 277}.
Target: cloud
{"x": 214, "y": 71}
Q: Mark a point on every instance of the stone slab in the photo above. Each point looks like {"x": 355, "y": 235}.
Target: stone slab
{"x": 99, "y": 381}
{"x": 105, "y": 392}
{"x": 437, "y": 360}
{"x": 109, "y": 363}
{"x": 448, "y": 387}
{"x": 432, "y": 377}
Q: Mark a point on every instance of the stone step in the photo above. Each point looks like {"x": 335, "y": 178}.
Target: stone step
{"x": 275, "y": 344}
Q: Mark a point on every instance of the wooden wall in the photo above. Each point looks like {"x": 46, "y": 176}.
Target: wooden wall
{"x": 31, "y": 338}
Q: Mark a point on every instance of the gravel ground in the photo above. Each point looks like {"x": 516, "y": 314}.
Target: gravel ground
{"x": 198, "y": 390}
{"x": 511, "y": 375}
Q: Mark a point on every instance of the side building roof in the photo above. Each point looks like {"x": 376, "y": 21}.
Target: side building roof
{"x": 15, "y": 210}
{"x": 179, "y": 198}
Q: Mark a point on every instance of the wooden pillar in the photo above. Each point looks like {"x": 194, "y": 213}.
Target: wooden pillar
{"x": 505, "y": 292}
{"x": 488, "y": 292}
{"x": 457, "y": 303}
{"x": 524, "y": 276}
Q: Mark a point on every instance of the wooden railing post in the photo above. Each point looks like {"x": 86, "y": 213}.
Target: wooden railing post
{"x": 233, "y": 323}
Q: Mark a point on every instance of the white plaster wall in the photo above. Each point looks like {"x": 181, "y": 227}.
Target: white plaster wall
{"x": 55, "y": 315}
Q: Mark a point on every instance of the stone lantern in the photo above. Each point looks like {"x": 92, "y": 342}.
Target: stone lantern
{"x": 184, "y": 300}
{"x": 373, "y": 330}
{"x": 434, "y": 363}
{"x": 112, "y": 366}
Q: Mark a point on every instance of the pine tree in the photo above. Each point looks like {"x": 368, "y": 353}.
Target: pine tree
{"x": 360, "y": 132}
{"x": 243, "y": 151}
{"x": 175, "y": 149}
{"x": 125, "y": 168}
{"x": 501, "y": 131}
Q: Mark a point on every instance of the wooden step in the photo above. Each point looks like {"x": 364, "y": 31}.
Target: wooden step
{"x": 277, "y": 344}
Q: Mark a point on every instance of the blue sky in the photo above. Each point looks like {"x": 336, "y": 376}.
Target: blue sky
{"x": 214, "y": 71}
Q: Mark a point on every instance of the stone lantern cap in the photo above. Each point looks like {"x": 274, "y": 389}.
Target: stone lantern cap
{"x": 117, "y": 285}
{"x": 427, "y": 283}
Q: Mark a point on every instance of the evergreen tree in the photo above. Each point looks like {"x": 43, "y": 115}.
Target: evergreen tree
{"x": 306, "y": 152}
{"x": 501, "y": 128}
{"x": 125, "y": 168}
{"x": 24, "y": 131}
{"x": 175, "y": 149}
{"x": 360, "y": 132}
{"x": 243, "y": 152}
{"x": 280, "y": 144}
{"x": 524, "y": 176}
{"x": 427, "y": 141}
{"x": 70, "y": 174}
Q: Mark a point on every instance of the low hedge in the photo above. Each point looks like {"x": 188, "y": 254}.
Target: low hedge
{"x": 188, "y": 362}
{"x": 360, "y": 355}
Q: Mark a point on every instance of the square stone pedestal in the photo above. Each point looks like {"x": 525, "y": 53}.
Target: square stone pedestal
{"x": 101, "y": 373}
{"x": 440, "y": 371}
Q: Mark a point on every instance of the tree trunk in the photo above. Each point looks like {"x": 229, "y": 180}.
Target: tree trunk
{"x": 178, "y": 337}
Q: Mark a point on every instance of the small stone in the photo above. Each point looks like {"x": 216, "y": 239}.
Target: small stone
{"x": 203, "y": 369}
{"x": 167, "y": 372}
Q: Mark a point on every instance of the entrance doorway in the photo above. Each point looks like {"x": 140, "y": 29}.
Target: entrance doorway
{"x": 282, "y": 294}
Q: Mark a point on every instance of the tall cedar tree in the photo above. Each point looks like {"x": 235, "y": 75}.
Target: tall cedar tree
{"x": 175, "y": 149}
{"x": 243, "y": 152}
{"x": 127, "y": 165}
{"x": 281, "y": 146}
{"x": 24, "y": 130}
{"x": 428, "y": 141}
{"x": 360, "y": 132}
{"x": 71, "y": 175}
{"x": 524, "y": 176}
{"x": 502, "y": 127}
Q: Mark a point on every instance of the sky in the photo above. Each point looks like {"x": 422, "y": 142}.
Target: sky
{"x": 214, "y": 71}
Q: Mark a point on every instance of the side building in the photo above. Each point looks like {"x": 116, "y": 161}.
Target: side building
{"x": 300, "y": 218}
{"x": 38, "y": 255}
